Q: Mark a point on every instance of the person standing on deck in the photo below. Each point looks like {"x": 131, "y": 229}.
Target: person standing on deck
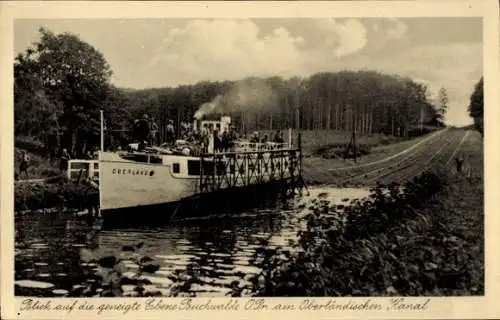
{"x": 278, "y": 137}
{"x": 225, "y": 141}
{"x": 153, "y": 131}
{"x": 231, "y": 137}
{"x": 170, "y": 132}
{"x": 217, "y": 140}
{"x": 141, "y": 130}
{"x": 88, "y": 155}
{"x": 255, "y": 137}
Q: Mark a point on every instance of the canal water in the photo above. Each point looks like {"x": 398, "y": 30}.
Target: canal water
{"x": 52, "y": 250}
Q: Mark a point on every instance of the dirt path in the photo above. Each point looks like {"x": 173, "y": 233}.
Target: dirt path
{"x": 30, "y": 181}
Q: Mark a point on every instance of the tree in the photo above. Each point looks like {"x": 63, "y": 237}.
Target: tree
{"x": 73, "y": 78}
{"x": 476, "y": 106}
{"x": 442, "y": 105}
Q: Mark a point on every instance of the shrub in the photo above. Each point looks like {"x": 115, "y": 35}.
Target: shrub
{"x": 336, "y": 150}
{"x": 30, "y": 144}
{"x": 60, "y": 193}
{"x": 373, "y": 247}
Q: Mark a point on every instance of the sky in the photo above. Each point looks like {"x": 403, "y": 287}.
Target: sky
{"x": 146, "y": 53}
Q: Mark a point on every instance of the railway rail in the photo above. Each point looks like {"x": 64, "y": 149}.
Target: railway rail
{"x": 437, "y": 151}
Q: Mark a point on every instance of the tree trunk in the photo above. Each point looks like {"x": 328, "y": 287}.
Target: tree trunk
{"x": 328, "y": 117}
{"x": 392, "y": 126}
{"x": 370, "y": 126}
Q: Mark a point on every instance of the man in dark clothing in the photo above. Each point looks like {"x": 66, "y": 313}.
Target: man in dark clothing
{"x": 255, "y": 138}
{"x": 231, "y": 137}
{"x": 217, "y": 141}
{"x": 141, "y": 130}
{"x": 23, "y": 166}
{"x": 278, "y": 138}
{"x": 459, "y": 162}
{"x": 225, "y": 140}
{"x": 63, "y": 164}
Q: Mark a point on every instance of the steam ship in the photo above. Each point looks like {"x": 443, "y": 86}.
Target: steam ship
{"x": 159, "y": 177}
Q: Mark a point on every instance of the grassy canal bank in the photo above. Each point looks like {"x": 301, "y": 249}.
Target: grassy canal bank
{"x": 58, "y": 193}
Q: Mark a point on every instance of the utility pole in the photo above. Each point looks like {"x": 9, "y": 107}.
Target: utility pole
{"x": 297, "y": 119}
{"x": 354, "y": 134}
{"x": 102, "y": 130}
{"x": 422, "y": 115}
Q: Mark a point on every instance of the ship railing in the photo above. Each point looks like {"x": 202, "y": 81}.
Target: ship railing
{"x": 244, "y": 152}
{"x": 78, "y": 169}
{"x": 261, "y": 146}
{"x": 244, "y": 168}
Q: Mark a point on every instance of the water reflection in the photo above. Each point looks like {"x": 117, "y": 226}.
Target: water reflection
{"x": 207, "y": 255}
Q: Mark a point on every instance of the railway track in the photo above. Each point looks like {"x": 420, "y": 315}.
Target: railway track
{"x": 434, "y": 135}
{"x": 437, "y": 160}
{"x": 436, "y": 151}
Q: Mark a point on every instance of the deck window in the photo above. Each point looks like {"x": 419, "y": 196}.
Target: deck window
{"x": 176, "y": 168}
{"x": 194, "y": 168}
{"x": 155, "y": 159}
{"x": 143, "y": 158}
{"x": 136, "y": 157}
{"x": 80, "y": 165}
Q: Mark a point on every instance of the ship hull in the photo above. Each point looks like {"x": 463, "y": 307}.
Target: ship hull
{"x": 227, "y": 201}
{"x": 127, "y": 184}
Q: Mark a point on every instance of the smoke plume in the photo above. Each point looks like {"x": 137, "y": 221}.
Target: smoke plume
{"x": 249, "y": 95}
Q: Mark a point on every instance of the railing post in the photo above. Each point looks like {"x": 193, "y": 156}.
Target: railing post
{"x": 214, "y": 174}
{"x": 68, "y": 172}
{"x": 201, "y": 173}
{"x": 300, "y": 153}
{"x": 91, "y": 169}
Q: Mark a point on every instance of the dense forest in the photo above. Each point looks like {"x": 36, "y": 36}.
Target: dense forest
{"x": 62, "y": 83}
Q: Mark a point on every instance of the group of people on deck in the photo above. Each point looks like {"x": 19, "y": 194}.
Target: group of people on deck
{"x": 256, "y": 138}
{"x": 146, "y": 131}
{"x": 224, "y": 139}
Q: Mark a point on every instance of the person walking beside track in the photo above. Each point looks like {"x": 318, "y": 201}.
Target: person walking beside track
{"x": 459, "y": 161}
{"x": 463, "y": 166}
